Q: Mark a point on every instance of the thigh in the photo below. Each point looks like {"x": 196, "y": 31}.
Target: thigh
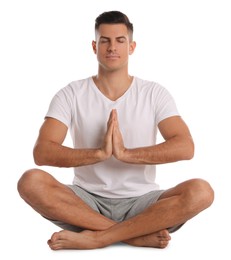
{"x": 86, "y": 197}
{"x": 147, "y": 200}
{"x": 181, "y": 188}
{"x": 143, "y": 202}
{"x": 36, "y": 185}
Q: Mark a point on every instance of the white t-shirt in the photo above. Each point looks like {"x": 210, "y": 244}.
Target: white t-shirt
{"x": 85, "y": 110}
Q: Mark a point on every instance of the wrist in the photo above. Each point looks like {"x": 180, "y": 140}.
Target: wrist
{"x": 102, "y": 155}
{"x": 122, "y": 155}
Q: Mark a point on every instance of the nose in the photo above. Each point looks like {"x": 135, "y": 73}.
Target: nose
{"x": 112, "y": 46}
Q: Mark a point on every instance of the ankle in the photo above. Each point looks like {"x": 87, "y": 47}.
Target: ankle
{"x": 101, "y": 239}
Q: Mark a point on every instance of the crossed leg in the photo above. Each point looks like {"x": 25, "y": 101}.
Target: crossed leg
{"x": 55, "y": 201}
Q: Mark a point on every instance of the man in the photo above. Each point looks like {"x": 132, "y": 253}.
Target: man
{"x": 113, "y": 119}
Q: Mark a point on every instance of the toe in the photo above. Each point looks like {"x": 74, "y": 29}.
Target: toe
{"x": 163, "y": 243}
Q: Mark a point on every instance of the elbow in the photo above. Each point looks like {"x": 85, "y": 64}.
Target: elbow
{"x": 38, "y": 156}
{"x": 189, "y": 150}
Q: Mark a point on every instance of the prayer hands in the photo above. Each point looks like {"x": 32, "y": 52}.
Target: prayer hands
{"x": 113, "y": 141}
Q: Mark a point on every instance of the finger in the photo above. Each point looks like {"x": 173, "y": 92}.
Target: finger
{"x": 115, "y": 114}
{"x": 110, "y": 119}
{"x": 110, "y": 124}
{"x": 110, "y": 127}
{"x": 115, "y": 118}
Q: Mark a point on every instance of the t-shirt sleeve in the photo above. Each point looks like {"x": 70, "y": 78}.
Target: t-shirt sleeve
{"x": 60, "y": 107}
{"x": 165, "y": 105}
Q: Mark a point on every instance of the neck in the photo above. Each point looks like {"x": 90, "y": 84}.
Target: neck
{"x": 113, "y": 85}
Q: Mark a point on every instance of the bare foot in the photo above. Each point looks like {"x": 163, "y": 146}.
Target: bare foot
{"x": 88, "y": 240}
{"x": 159, "y": 239}
{"x": 66, "y": 239}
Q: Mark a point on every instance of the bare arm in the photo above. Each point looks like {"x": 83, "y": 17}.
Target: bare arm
{"x": 178, "y": 145}
{"x": 48, "y": 149}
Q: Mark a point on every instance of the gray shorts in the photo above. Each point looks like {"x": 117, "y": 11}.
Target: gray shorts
{"x": 112, "y": 208}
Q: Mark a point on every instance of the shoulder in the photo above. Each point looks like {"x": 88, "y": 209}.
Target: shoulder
{"x": 77, "y": 85}
{"x": 74, "y": 88}
{"x": 149, "y": 86}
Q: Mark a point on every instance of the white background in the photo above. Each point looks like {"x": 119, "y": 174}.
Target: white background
{"x": 183, "y": 45}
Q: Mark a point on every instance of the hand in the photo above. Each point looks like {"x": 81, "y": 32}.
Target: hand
{"x": 113, "y": 141}
{"x": 118, "y": 149}
{"x": 107, "y": 143}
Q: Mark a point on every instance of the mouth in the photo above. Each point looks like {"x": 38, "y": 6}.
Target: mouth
{"x": 112, "y": 56}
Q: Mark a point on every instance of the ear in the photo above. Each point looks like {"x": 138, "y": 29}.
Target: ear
{"x": 94, "y": 46}
{"x": 132, "y": 47}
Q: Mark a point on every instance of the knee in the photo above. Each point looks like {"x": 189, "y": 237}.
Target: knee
{"x": 27, "y": 182}
{"x": 200, "y": 193}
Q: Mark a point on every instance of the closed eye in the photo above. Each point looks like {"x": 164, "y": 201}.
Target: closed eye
{"x": 121, "y": 39}
{"x": 104, "y": 39}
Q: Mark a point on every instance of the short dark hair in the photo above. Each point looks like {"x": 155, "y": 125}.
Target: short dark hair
{"x": 114, "y": 17}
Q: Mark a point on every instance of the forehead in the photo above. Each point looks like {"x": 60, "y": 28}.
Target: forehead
{"x": 112, "y": 30}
